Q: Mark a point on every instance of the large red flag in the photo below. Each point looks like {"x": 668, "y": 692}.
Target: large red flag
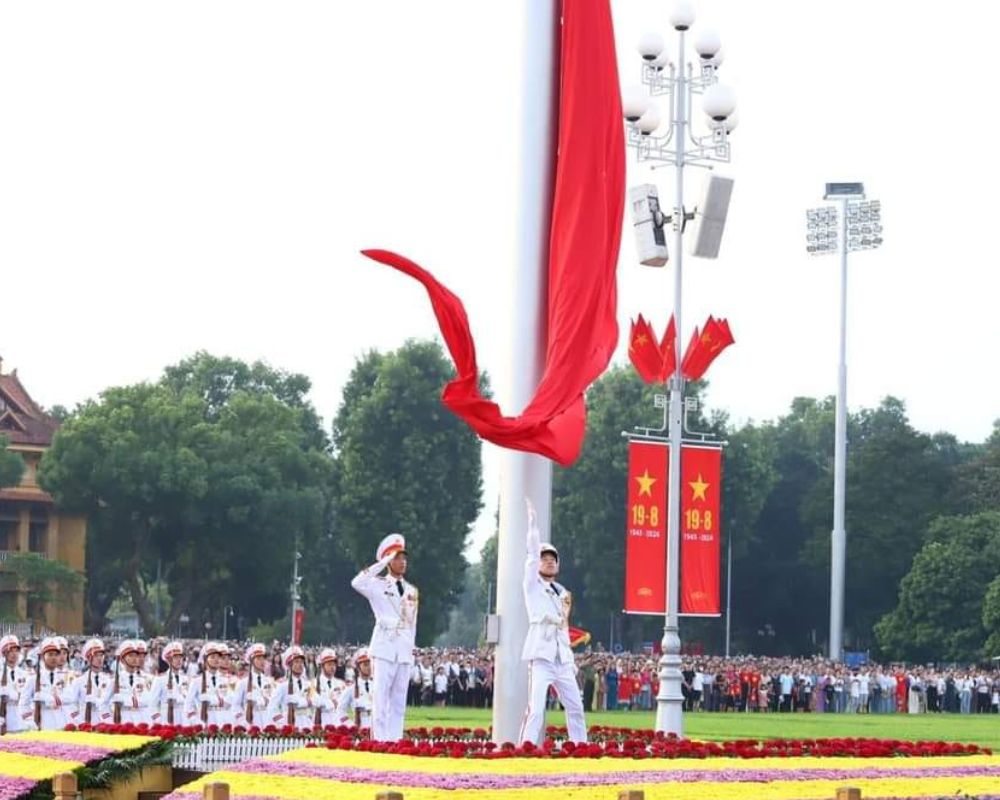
{"x": 584, "y": 236}
{"x": 668, "y": 353}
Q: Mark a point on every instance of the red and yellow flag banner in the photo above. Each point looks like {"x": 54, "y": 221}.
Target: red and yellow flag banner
{"x": 646, "y": 529}
{"x": 701, "y": 485}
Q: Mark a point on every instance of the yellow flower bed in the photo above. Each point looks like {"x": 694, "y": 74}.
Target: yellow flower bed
{"x": 321, "y": 774}
{"x": 37, "y": 768}
{"x": 114, "y": 742}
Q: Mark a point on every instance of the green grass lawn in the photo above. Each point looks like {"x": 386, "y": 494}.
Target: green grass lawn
{"x": 981, "y": 729}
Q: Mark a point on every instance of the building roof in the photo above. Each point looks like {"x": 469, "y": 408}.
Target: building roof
{"x": 22, "y": 420}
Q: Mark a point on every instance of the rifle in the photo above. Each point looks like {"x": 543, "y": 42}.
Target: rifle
{"x": 249, "y": 713}
{"x": 38, "y": 688}
{"x": 87, "y": 705}
{"x": 170, "y": 695}
{"x": 291, "y": 708}
{"x": 3, "y": 699}
{"x": 204, "y": 691}
{"x": 318, "y": 718}
{"x": 357, "y": 692}
{"x": 117, "y": 718}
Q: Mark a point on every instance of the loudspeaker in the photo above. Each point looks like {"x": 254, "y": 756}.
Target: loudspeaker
{"x": 710, "y": 217}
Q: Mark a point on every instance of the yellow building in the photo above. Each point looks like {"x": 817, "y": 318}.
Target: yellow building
{"x": 29, "y": 521}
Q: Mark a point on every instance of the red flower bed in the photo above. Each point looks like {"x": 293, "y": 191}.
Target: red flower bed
{"x": 605, "y": 742}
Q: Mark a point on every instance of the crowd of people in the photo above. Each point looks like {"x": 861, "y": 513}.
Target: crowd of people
{"x": 82, "y": 672}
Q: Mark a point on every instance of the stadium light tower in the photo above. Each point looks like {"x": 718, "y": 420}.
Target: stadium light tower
{"x": 679, "y": 146}
{"x": 856, "y": 226}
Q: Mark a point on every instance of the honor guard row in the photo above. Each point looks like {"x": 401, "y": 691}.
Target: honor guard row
{"x": 50, "y": 696}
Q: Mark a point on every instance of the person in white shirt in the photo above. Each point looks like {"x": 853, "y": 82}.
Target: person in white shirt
{"x": 546, "y": 647}
{"x": 333, "y": 706}
{"x": 45, "y": 693}
{"x": 210, "y": 695}
{"x": 13, "y": 684}
{"x": 128, "y": 693}
{"x": 83, "y": 700}
{"x": 294, "y": 699}
{"x": 359, "y": 695}
{"x": 254, "y": 692}
{"x": 170, "y": 689}
{"x": 394, "y": 603}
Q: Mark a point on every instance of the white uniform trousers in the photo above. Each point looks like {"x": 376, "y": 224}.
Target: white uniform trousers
{"x": 541, "y": 675}
{"x": 389, "y": 699}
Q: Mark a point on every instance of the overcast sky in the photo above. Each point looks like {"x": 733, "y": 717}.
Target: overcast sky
{"x": 200, "y": 175}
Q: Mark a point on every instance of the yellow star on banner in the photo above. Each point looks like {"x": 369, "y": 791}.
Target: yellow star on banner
{"x": 698, "y": 488}
{"x": 640, "y": 339}
{"x": 646, "y": 482}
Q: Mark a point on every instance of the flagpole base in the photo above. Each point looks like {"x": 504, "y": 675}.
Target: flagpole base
{"x": 670, "y": 700}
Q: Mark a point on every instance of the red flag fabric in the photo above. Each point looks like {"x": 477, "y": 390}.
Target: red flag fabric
{"x": 578, "y": 637}
{"x": 668, "y": 352}
{"x": 644, "y": 351}
{"x": 584, "y": 236}
{"x": 701, "y": 491}
{"x": 646, "y": 528}
{"x": 703, "y": 348}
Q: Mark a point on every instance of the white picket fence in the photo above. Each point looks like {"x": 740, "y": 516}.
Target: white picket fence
{"x": 209, "y": 755}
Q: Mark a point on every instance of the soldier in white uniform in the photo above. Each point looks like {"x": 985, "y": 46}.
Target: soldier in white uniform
{"x": 546, "y": 647}
{"x": 331, "y": 692}
{"x": 84, "y": 699}
{"x": 170, "y": 689}
{"x": 12, "y": 685}
{"x": 253, "y": 693}
{"x": 358, "y": 697}
{"x": 129, "y": 691}
{"x": 45, "y": 694}
{"x": 293, "y": 702}
{"x": 210, "y": 695}
{"x": 394, "y": 602}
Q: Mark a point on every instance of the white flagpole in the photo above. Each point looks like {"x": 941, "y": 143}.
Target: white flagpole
{"x": 522, "y": 474}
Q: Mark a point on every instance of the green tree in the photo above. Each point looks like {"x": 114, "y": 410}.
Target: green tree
{"x": 11, "y": 465}
{"x": 897, "y": 482}
{"x": 941, "y": 610}
{"x": 405, "y": 463}
{"x": 991, "y": 618}
{"x": 217, "y": 486}
{"x": 46, "y": 580}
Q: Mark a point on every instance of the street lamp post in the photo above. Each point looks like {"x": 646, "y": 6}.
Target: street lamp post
{"x": 680, "y": 146}
{"x": 227, "y": 612}
{"x": 858, "y": 226}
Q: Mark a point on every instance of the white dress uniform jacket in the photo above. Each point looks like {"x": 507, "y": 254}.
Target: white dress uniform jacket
{"x": 135, "y": 691}
{"x": 358, "y": 702}
{"x": 170, "y": 691}
{"x": 298, "y": 693}
{"x": 214, "y": 705}
{"x": 13, "y": 686}
{"x": 258, "y": 689}
{"x": 87, "y": 692}
{"x": 51, "y": 694}
{"x": 332, "y": 699}
{"x": 548, "y": 605}
{"x": 395, "y": 632}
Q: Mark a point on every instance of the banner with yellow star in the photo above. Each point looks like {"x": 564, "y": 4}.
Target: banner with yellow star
{"x": 646, "y": 528}
{"x": 701, "y": 487}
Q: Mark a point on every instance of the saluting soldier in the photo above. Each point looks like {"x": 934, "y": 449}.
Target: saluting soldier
{"x": 294, "y": 699}
{"x": 210, "y": 695}
{"x": 546, "y": 647}
{"x": 129, "y": 692}
{"x": 13, "y": 684}
{"x": 394, "y": 603}
{"x": 358, "y": 700}
{"x": 170, "y": 689}
{"x": 45, "y": 695}
{"x": 332, "y": 701}
{"x": 253, "y": 693}
{"x": 84, "y": 699}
